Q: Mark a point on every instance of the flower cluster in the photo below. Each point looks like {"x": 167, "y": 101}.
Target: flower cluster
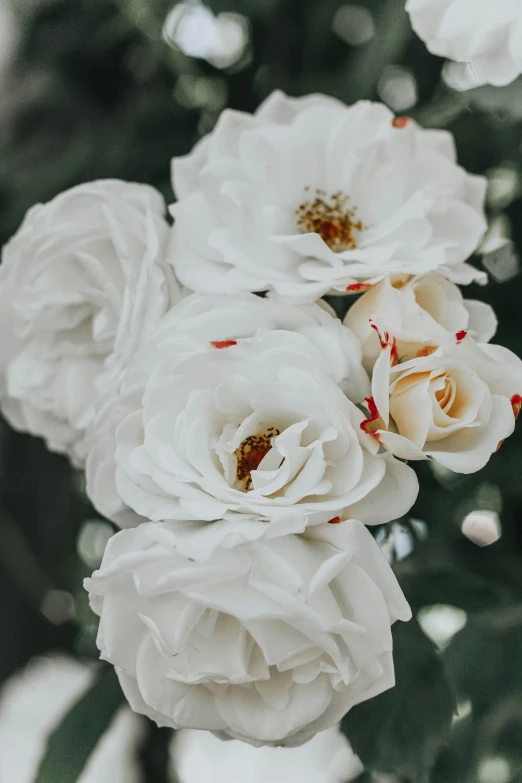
{"x": 243, "y": 443}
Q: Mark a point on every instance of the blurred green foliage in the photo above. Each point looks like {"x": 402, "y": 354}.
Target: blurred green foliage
{"x": 401, "y": 730}
{"x": 93, "y": 91}
{"x": 71, "y": 743}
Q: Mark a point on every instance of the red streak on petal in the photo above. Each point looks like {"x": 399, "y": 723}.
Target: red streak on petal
{"x": 355, "y": 287}
{"x": 334, "y": 521}
{"x": 385, "y": 342}
{"x": 516, "y": 404}
{"x": 223, "y": 343}
{"x": 372, "y": 408}
{"x": 374, "y": 415}
{"x": 401, "y": 122}
{"x": 383, "y": 339}
{"x": 461, "y": 335}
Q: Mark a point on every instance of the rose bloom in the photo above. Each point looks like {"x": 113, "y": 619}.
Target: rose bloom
{"x": 436, "y": 392}
{"x": 487, "y": 36}
{"x": 34, "y": 701}
{"x": 238, "y": 405}
{"x": 199, "y": 756}
{"x": 310, "y": 195}
{"x": 81, "y": 285}
{"x": 454, "y": 401}
{"x": 417, "y": 310}
{"x": 262, "y": 631}
{"x": 206, "y": 323}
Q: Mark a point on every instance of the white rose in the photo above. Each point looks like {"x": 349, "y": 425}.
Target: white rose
{"x": 199, "y": 323}
{"x": 310, "y": 195}
{"x": 454, "y": 403}
{"x": 199, "y": 756}
{"x": 81, "y": 285}
{"x": 419, "y": 311}
{"x": 238, "y": 405}
{"x": 485, "y": 35}
{"x": 246, "y": 628}
{"x": 35, "y": 700}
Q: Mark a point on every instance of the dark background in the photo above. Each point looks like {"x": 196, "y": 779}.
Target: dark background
{"x": 93, "y": 91}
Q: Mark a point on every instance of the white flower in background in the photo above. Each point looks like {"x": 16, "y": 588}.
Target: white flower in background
{"x": 441, "y": 622}
{"x": 455, "y": 402}
{"x": 482, "y": 527}
{"x": 33, "y": 702}
{"x": 199, "y": 756}
{"x": 419, "y": 311}
{"x": 485, "y": 35}
{"x": 309, "y": 195}
{"x": 262, "y": 631}
{"x": 81, "y": 284}
{"x": 193, "y": 28}
{"x": 238, "y": 405}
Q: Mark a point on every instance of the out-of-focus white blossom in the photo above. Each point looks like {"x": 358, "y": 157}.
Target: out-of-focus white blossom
{"x": 199, "y": 756}
{"x": 441, "y": 622}
{"x": 34, "y": 701}
{"x": 484, "y": 35}
{"x": 193, "y": 28}
{"x": 482, "y": 527}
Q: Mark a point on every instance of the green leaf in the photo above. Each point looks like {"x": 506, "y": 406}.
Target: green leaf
{"x": 402, "y": 730}
{"x": 427, "y": 583}
{"x": 76, "y": 736}
{"x": 393, "y": 31}
{"x": 155, "y": 755}
{"x": 484, "y": 657}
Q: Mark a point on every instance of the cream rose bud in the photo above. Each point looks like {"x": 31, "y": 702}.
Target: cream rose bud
{"x": 419, "y": 311}
{"x": 486, "y": 36}
{"x": 454, "y": 403}
{"x": 261, "y": 631}
{"x": 81, "y": 285}
{"x": 310, "y": 195}
{"x": 237, "y": 405}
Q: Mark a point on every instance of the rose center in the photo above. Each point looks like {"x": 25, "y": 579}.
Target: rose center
{"x": 446, "y": 396}
{"x": 250, "y": 454}
{"x": 332, "y": 218}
